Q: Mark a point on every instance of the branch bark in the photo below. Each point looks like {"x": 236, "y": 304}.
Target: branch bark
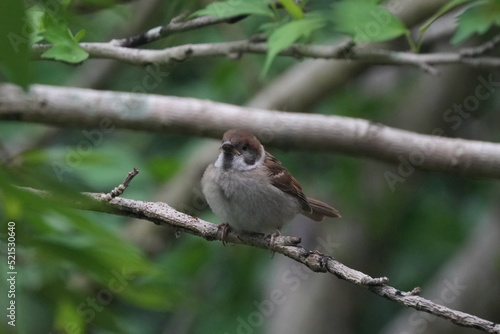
{"x": 162, "y": 214}
{"x": 84, "y": 108}
{"x": 235, "y": 49}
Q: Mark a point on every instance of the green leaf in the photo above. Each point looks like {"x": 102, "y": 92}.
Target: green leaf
{"x": 65, "y": 46}
{"x": 35, "y": 16}
{"x": 79, "y": 35}
{"x": 287, "y": 34}
{"x": 443, "y": 10}
{"x": 367, "y": 21}
{"x": 293, "y": 9}
{"x": 67, "y": 316}
{"x": 14, "y": 43}
{"x": 478, "y": 18}
{"x": 230, "y": 8}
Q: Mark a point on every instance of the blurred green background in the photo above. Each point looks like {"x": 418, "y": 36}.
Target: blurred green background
{"x": 87, "y": 272}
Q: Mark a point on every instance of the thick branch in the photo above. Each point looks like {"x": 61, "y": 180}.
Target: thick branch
{"x": 162, "y": 214}
{"x": 107, "y": 111}
{"x": 238, "y": 48}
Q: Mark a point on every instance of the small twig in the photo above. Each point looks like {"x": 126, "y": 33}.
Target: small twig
{"x": 416, "y": 291}
{"x": 481, "y": 49}
{"x": 429, "y": 69}
{"x": 118, "y": 191}
{"x": 177, "y": 24}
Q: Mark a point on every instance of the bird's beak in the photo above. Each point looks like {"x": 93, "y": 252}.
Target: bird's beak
{"x": 229, "y": 148}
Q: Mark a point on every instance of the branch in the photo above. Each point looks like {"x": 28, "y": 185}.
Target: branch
{"x": 176, "y": 25}
{"x": 464, "y": 267}
{"x": 162, "y": 214}
{"x": 97, "y": 75}
{"x": 107, "y": 111}
{"x": 118, "y": 191}
{"x": 483, "y": 48}
{"x": 236, "y": 49}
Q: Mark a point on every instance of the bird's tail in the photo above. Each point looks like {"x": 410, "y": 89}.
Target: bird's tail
{"x": 320, "y": 210}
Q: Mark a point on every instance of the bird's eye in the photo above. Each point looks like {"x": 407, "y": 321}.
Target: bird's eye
{"x": 244, "y": 147}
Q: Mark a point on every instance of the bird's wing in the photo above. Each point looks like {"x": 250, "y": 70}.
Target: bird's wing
{"x": 281, "y": 178}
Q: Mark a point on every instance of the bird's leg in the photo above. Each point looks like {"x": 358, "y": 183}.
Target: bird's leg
{"x": 225, "y": 230}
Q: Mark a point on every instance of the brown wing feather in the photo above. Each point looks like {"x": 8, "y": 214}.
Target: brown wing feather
{"x": 320, "y": 210}
{"x": 282, "y": 179}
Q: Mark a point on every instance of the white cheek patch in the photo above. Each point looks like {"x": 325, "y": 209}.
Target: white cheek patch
{"x": 220, "y": 161}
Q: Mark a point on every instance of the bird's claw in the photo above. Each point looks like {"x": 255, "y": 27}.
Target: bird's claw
{"x": 225, "y": 230}
{"x": 272, "y": 240}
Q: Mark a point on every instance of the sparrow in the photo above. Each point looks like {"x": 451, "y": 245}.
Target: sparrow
{"x": 249, "y": 190}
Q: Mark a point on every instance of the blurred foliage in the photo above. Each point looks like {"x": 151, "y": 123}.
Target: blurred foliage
{"x": 14, "y": 58}
{"x": 348, "y": 14}
{"x": 478, "y": 18}
{"x": 78, "y": 271}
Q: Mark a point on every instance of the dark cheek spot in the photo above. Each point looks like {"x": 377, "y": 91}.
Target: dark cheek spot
{"x": 227, "y": 162}
{"x": 249, "y": 159}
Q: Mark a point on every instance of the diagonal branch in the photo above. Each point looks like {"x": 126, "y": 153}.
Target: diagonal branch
{"x": 107, "y": 111}
{"x": 483, "y": 48}
{"x": 118, "y": 191}
{"x": 162, "y": 214}
{"x": 177, "y": 24}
